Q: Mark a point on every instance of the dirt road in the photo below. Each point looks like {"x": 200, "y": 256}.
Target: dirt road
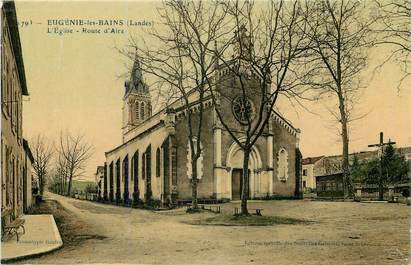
{"x": 340, "y": 233}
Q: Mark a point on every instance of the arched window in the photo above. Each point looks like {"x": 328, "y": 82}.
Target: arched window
{"x": 142, "y": 111}
{"x": 282, "y": 165}
{"x": 149, "y": 109}
{"x": 137, "y": 111}
{"x": 158, "y": 163}
{"x": 199, "y": 160}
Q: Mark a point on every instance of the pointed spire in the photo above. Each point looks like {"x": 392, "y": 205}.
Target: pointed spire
{"x": 136, "y": 76}
{"x": 243, "y": 43}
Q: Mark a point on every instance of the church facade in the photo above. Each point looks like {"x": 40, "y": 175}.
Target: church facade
{"x": 153, "y": 160}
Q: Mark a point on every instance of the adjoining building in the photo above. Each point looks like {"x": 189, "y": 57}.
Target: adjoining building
{"x": 327, "y": 170}
{"x": 154, "y": 159}
{"x": 323, "y": 174}
{"x": 98, "y": 179}
{"x": 308, "y": 179}
{"x": 14, "y": 169}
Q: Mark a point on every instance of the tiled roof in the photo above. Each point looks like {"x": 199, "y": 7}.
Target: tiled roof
{"x": 311, "y": 160}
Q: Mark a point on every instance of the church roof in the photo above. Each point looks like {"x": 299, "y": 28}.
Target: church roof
{"x": 311, "y": 160}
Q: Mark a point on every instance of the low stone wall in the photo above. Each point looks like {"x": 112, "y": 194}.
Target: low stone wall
{"x": 394, "y": 193}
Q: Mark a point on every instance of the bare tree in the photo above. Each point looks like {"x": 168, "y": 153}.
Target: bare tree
{"x": 394, "y": 30}
{"x": 42, "y": 153}
{"x": 182, "y": 62}
{"x": 61, "y": 171}
{"x": 340, "y": 37}
{"x": 75, "y": 151}
{"x": 267, "y": 59}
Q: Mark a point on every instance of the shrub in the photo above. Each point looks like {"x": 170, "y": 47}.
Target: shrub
{"x": 118, "y": 197}
{"x": 91, "y": 188}
{"x": 136, "y": 199}
{"x": 192, "y": 210}
{"x": 148, "y": 195}
{"x": 153, "y": 203}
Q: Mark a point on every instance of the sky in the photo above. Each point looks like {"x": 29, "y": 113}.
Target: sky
{"x": 76, "y": 82}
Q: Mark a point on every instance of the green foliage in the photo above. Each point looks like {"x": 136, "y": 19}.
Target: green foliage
{"x": 394, "y": 168}
{"x": 358, "y": 171}
{"x": 136, "y": 199}
{"x": 91, "y": 188}
{"x": 194, "y": 210}
{"x": 276, "y": 197}
{"x": 78, "y": 185}
{"x": 371, "y": 171}
{"x": 118, "y": 198}
{"x": 148, "y": 195}
{"x": 54, "y": 187}
{"x": 248, "y": 220}
{"x": 153, "y": 203}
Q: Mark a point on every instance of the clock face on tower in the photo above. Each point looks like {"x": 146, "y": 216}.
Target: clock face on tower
{"x": 242, "y": 109}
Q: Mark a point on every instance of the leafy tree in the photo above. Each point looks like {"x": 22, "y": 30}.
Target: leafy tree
{"x": 357, "y": 171}
{"x": 394, "y": 168}
{"x": 90, "y": 188}
{"x": 371, "y": 171}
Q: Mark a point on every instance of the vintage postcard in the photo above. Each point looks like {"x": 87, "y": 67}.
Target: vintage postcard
{"x": 205, "y": 132}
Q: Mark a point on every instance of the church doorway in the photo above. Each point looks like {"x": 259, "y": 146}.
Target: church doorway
{"x": 237, "y": 183}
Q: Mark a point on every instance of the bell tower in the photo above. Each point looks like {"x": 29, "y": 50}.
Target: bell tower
{"x": 243, "y": 45}
{"x": 136, "y": 100}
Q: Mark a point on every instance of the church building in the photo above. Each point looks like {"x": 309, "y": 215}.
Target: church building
{"x": 153, "y": 161}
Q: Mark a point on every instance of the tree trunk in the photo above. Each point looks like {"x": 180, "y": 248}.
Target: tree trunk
{"x": 41, "y": 182}
{"x": 62, "y": 185}
{"x": 345, "y": 142}
{"x": 194, "y": 182}
{"x": 345, "y": 165}
{"x": 69, "y": 186}
{"x": 245, "y": 184}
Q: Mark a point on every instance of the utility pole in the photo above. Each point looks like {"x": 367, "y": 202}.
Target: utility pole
{"x": 380, "y": 146}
